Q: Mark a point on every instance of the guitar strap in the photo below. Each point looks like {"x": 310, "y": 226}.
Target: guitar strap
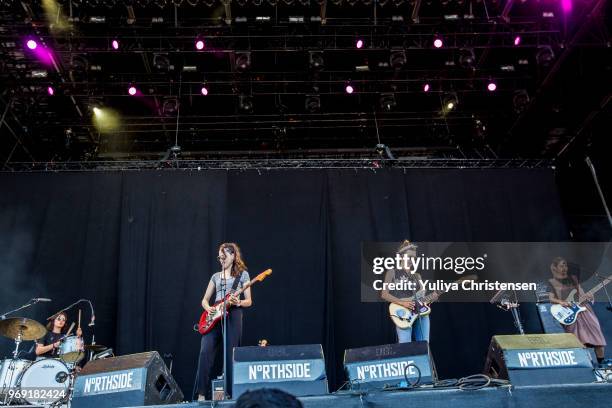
{"x": 236, "y": 282}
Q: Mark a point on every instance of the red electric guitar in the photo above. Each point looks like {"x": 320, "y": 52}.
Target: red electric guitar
{"x": 210, "y": 320}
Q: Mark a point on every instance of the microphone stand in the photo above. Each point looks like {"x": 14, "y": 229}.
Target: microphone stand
{"x": 601, "y": 278}
{"x": 31, "y": 302}
{"x": 224, "y": 332}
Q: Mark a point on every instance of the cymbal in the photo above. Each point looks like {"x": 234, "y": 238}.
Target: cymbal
{"x": 30, "y": 329}
{"x": 96, "y": 348}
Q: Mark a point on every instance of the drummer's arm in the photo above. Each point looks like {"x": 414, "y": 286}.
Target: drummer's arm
{"x": 40, "y": 349}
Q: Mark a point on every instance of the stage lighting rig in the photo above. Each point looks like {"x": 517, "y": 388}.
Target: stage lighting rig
{"x": 398, "y": 58}
{"x": 245, "y": 103}
{"x": 312, "y": 103}
{"x": 242, "y": 61}
{"x": 316, "y": 61}
{"x": 387, "y": 101}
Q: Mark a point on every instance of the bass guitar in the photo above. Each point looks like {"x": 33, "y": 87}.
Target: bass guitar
{"x": 405, "y": 318}
{"x": 209, "y": 320}
{"x": 568, "y": 315}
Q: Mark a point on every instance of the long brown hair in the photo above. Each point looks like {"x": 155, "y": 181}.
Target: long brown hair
{"x": 239, "y": 266}
{"x": 52, "y": 320}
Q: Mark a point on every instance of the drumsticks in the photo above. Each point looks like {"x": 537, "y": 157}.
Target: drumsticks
{"x": 79, "y": 326}
{"x": 69, "y": 330}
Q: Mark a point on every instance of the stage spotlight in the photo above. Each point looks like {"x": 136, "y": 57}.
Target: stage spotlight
{"x": 50, "y": 91}
{"x": 115, "y": 44}
{"x": 359, "y": 44}
{"x": 397, "y": 59}
{"x": 467, "y": 58}
{"x": 349, "y": 88}
{"x": 426, "y": 88}
{"x": 517, "y": 40}
{"x": 245, "y": 103}
{"x": 199, "y": 45}
{"x": 449, "y": 102}
{"x": 31, "y": 44}
{"x": 242, "y": 61}
{"x": 491, "y": 86}
{"x": 545, "y": 55}
{"x": 132, "y": 90}
{"x": 520, "y": 101}
{"x": 97, "y": 111}
{"x": 79, "y": 63}
{"x": 315, "y": 58}
{"x": 204, "y": 90}
{"x": 387, "y": 101}
{"x": 312, "y": 103}
{"x": 438, "y": 43}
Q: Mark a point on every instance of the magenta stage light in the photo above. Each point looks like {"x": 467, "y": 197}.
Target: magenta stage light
{"x": 199, "y": 45}
{"x": 438, "y": 43}
{"x": 50, "y": 91}
{"x": 204, "y": 91}
{"x": 115, "y": 44}
{"x": 426, "y": 88}
{"x": 32, "y": 44}
{"x": 566, "y": 5}
{"x": 492, "y": 86}
{"x": 517, "y": 40}
{"x": 359, "y": 44}
{"x": 132, "y": 90}
{"x": 349, "y": 89}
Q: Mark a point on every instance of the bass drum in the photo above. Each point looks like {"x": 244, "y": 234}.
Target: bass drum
{"x": 10, "y": 371}
{"x": 45, "y": 382}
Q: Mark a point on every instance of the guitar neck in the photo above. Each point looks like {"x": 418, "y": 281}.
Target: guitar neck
{"x": 595, "y": 289}
{"x": 245, "y": 287}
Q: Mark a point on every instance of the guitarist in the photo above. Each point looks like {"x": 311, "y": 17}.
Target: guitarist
{"x": 232, "y": 277}
{"x": 420, "y": 328}
{"x": 587, "y": 327}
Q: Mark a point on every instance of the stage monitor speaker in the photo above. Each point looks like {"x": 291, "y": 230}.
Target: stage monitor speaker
{"x": 297, "y": 369}
{"x": 389, "y": 365}
{"x": 132, "y": 380}
{"x": 549, "y": 323}
{"x": 536, "y": 359}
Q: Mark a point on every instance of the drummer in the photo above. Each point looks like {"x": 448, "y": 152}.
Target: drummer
{"x": 48, "y": 346}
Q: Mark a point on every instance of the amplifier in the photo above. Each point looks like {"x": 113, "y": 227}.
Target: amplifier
{"x": 389, "y": 365}
{"x": 536, "y": 359}
{"x": 132, "y": 380}
{"x": 297, "y": 369}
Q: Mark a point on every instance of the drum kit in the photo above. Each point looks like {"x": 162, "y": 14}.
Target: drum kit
{"x": 46, "y": 381}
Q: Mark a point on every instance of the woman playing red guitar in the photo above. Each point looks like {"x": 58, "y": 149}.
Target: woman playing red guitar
{"x": 232, "y": 268}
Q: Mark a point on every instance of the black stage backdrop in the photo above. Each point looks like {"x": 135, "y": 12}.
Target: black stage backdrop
{"x": 142, "y": 246}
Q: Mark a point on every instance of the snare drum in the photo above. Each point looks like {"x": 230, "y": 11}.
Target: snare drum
{"x": 70, "y": 349}
{"x": 10, "y": 371}
{"x": 45, "y": 382}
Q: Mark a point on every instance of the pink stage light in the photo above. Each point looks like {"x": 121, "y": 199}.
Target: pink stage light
{"x": 359, "y": 44}
{"x": 426, "y": 88}
{"x": 204, "y": 91}
{"x": 132, "y": 90}
{"x": 32, "y": 44}
{"x": 438, "y": 43}
{"x": 517, "y": 40}
{"x": 492, "y": 86}
{"x": 50, "y": 91}
{"x": 349, "y": 89}
{"x": 566, "y": 5}
{"x": 199, "y": 45}
{"x": 115, "y": 44}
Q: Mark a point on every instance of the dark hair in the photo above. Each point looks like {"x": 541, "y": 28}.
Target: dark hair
{"x": 239, "y": 266}
{"x": 52, "y": 319}
{"x": 267, "y": 398}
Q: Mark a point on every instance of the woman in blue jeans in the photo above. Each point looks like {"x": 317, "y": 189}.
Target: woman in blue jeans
{"x": 420, "y": 328}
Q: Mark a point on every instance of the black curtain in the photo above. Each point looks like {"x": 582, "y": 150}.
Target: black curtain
{"x": 143, "y": 245}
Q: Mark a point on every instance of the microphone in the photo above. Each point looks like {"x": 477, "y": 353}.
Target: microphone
{"x": 41, "y": 300}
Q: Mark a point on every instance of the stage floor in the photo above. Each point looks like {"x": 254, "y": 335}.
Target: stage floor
{"x": 554, "y": 396}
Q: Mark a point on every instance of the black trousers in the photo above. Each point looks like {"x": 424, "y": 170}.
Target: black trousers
{"x": 211, "y": 344}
